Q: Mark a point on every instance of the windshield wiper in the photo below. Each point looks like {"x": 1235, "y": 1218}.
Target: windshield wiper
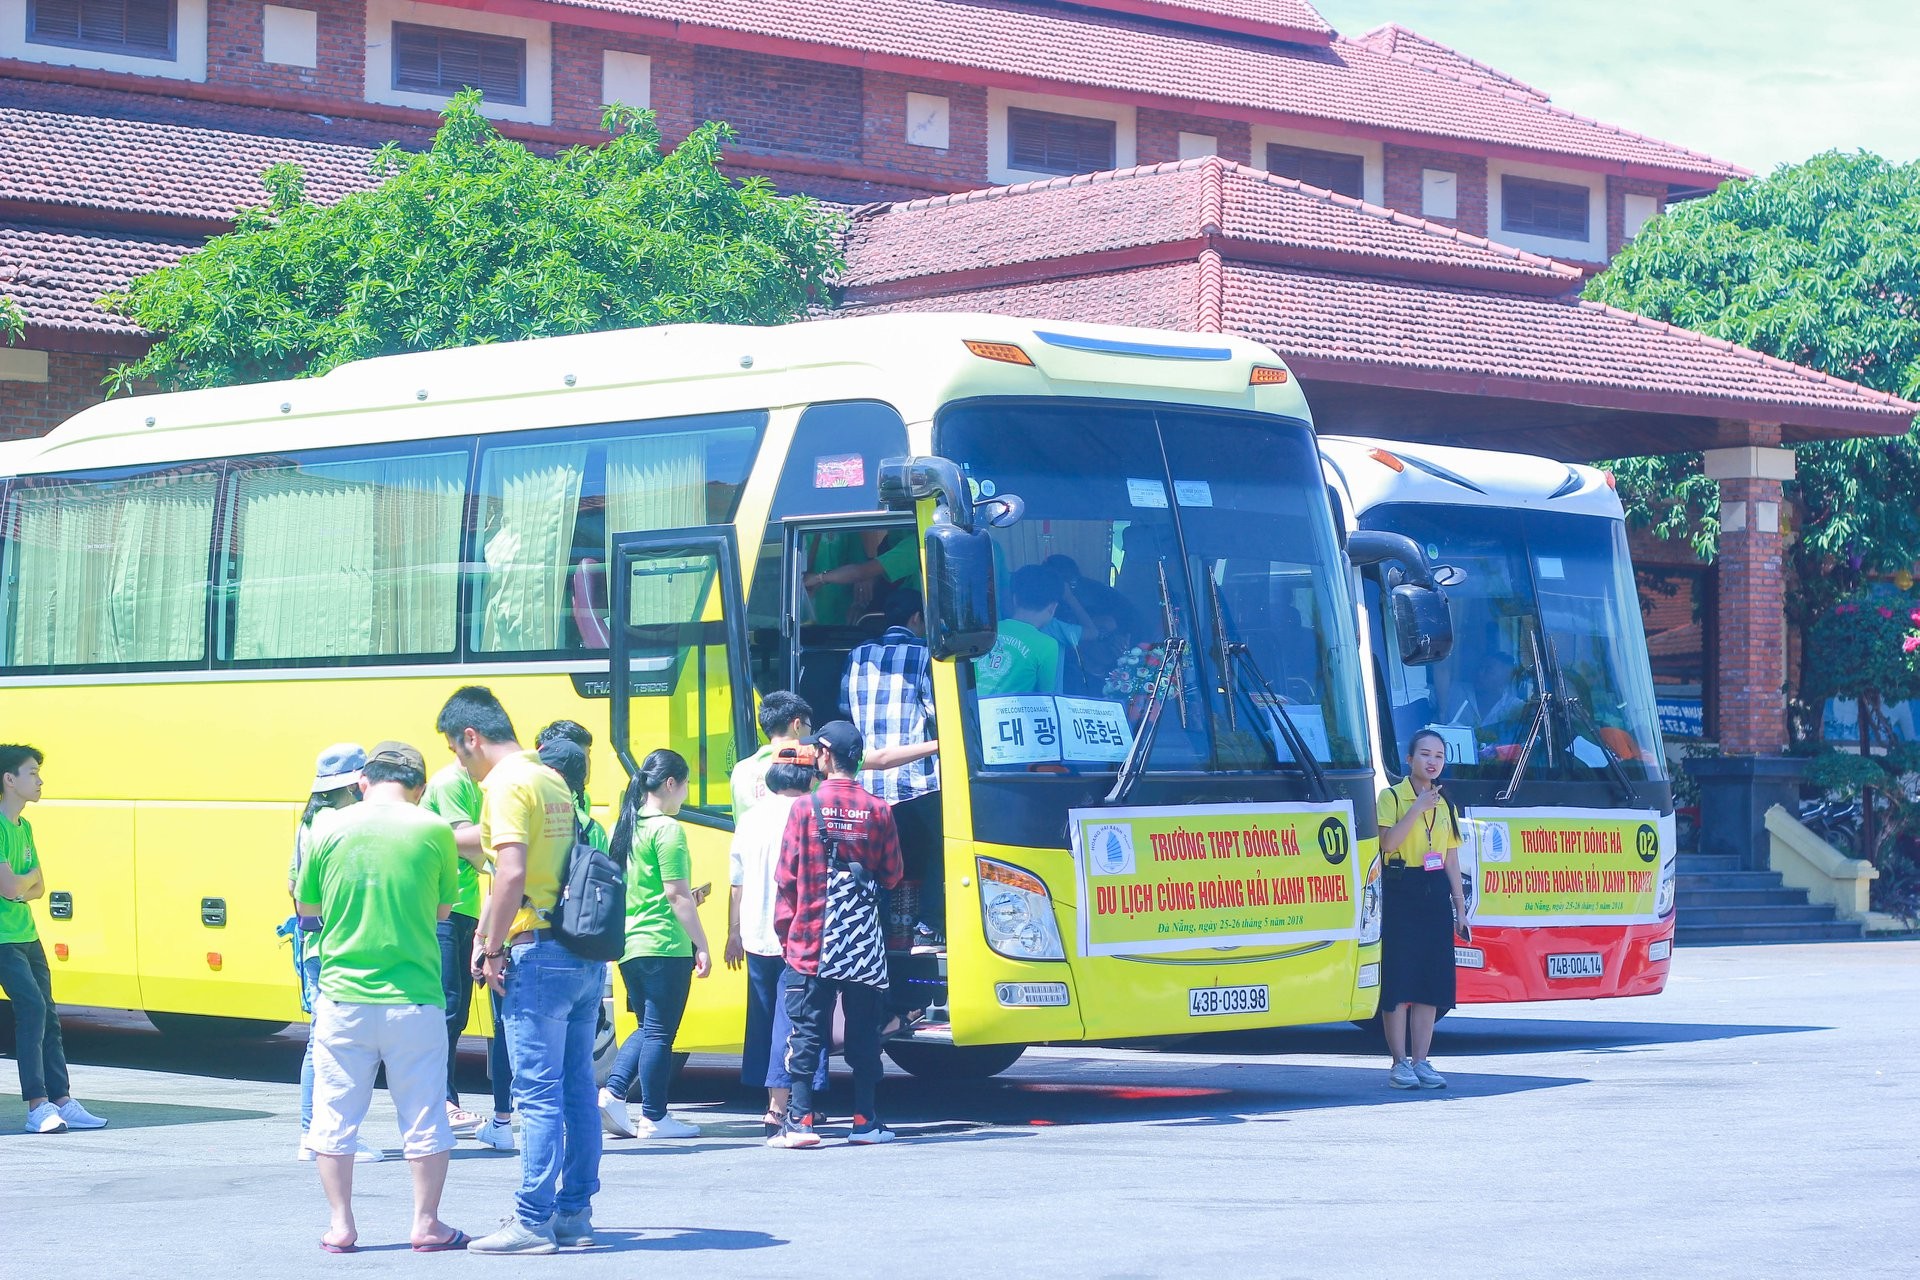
{"x": 1173, "y": 660}
{"x": 1235, "y": 658}
{"x": 1580, "y": 718}
{"x": 1542, "y": 723}
{"x": 1550, "y": 681}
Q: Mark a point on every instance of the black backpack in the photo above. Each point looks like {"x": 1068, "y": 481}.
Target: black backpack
{"x": 590, "y": 919}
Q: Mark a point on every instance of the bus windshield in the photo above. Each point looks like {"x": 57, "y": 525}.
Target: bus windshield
{"x": 1158, "y": 523}
{"x": 1538, "y": 582}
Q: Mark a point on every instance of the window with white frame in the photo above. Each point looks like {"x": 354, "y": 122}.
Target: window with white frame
{"x": 141, "y": 28}
{"x": 1332, "y": 170}
{"x": 419, "y": 55}
{"x": 1537, "y": 207}
{"x": 1048, "y": 142}
{"x": 442, "y": 61}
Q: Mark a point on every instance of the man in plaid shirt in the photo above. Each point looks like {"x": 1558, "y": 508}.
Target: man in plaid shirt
{"x": 887, "y": 693}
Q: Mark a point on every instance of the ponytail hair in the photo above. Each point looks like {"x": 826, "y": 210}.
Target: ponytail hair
{"x": 656, "y": 771}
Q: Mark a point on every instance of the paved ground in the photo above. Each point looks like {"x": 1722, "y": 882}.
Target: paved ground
{"x": 1756, "y": 1119}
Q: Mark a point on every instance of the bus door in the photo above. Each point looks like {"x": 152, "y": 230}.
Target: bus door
{"x": 678, "y": 679}
{"x": 822, "y": 626}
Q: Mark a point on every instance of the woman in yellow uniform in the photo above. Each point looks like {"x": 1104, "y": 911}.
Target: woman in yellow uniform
{"x": 1420, "y": 837}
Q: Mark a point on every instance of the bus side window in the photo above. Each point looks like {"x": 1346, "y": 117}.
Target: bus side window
{"x": 109, "y": 572}
{"x": 832, "y": 468}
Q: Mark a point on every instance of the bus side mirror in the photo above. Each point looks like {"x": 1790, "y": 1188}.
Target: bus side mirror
{"x": 1422, "y": 623}
{"x": 962, "y": 620}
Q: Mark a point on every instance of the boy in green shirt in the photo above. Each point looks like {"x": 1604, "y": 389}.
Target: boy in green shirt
{"x": 381, "y": 881}
{"x": 24, "y": 975}
{"x": 1024, "y": 659}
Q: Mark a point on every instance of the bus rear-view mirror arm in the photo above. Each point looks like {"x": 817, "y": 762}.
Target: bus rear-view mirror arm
{"x": 1375, "y": 546}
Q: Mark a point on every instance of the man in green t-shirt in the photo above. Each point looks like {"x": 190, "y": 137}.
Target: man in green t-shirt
{"x": 1024, "y": 659}
{"x": 38, "y": 1049}
{"x": 381, "y": 881}
{"x": 454, "y": 797}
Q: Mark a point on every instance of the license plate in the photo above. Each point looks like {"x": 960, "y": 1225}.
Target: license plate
{"x": 1206, "y": 1002}
{"x": 1579, "y": 964}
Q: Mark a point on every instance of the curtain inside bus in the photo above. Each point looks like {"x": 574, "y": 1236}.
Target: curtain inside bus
{"x": 111, "y": 572}
{"x": 531, "y": 501}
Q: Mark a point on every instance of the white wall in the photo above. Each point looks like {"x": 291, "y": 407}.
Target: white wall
{"x": 382, "y": 14}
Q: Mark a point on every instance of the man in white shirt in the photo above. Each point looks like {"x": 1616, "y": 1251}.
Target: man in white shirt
{"x": 750, "y": 937}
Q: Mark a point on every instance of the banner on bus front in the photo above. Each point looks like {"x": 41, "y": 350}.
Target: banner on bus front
{"x": 1182, "y": 877}
{"x": 1563, "y": 866}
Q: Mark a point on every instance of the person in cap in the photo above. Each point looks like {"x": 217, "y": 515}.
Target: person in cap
{"x": 840, "y": 848}
{"x": 380, "y": 881}
{"x": 336, "y": 784}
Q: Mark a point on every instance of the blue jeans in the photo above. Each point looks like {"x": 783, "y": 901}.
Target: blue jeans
{"x": 310, "y": 1001}
{"x": 763, "y": 1057}
{"x": 499, "y": 1062}
{"x": 551, "y": 1009}
{"x": 37, "y": 1048}
{"x": 657, "y": 990}
{"x": 456, "y": 984}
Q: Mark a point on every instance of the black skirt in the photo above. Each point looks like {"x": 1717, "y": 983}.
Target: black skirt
{"x": 1416, "y": 939}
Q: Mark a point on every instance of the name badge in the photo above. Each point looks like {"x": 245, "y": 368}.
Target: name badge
{"x": 1436, "y": 861}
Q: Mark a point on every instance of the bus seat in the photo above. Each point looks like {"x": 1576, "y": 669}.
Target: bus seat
{"x": 589, "y": 591}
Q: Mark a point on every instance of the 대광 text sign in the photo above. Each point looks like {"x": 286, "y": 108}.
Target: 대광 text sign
{"x": 1563, "y": 866}
{"x": 1181, "y": 878}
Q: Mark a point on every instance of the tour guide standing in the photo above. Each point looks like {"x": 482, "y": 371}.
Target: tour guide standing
{"x": 839, "y": 846}
{"x": 1420, "y": 837}
{"x": 550, "y": 996}
{"x": 24, "y": 976}
{"x": 380, "y": 880}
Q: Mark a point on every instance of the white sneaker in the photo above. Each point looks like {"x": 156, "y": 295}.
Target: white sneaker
{"x": 78, "y": 1117}
{"x": 495, "y": 1133}
{"x": 45, "y": 1118}
{"x": 1428, "y": 1077}
{"x": 665, "y": 1127}
{"x": 515, "y": 1236}
{"x": 615, "y": 1117}
{"x": 1402, "y": 1076}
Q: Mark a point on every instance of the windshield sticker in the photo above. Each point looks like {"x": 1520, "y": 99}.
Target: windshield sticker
{"x": 1312, "y": 724}
{"x": 1096, "y": 731}
{"x": 1187, "y": 877}
{"x": 1458, "y": 739}
{"x": 1041, "y": 729}
{"x": 1193, "y": 493}
{"x": 1551, "y": 567}
{"x": 1146, "y": 493}
{"x": 839, "y": 471}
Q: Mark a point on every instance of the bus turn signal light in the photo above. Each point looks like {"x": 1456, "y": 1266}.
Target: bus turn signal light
{"x": 1386, "y": 459}
{"x": 1004, "y": 352}
{"x": 213, "y": 960}
{"x": 59, "y": 951}
{"x": 1266, "y": 375}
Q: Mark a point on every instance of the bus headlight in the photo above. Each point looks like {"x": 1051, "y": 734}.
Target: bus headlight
{"x": 1664, "y": 892}
{"x": 1370, "y": 913}
{"x": 1017, "y": 911}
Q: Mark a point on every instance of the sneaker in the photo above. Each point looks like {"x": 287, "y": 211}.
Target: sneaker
{"x": 45, "y": 1118}
{"x": 573, "y": 1230}
{"x": 1402, "y": 1076}
{"x": 869, "y": 1132}
{"x": 462, "y": 1122}
{"x": 927, "y": 940}
{"x": 1427, "y": 1076}
{"x": 795, "y": 1134}
{"x": 665, "y": 1127}
{"x": 515, "y": 1236}
{"x": 78, "y": 1117}
{"x": 495, "y": 1133}
{"x": 615, "y": 1118}
{"x": 362, "y": 1153}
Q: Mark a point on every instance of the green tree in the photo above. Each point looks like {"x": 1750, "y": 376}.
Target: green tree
{"x": 1819, "y": 264}
{"x": 481, "y": 240}
{"x": 13, "y": 324}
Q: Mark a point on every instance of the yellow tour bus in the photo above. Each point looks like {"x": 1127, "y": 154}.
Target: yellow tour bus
{"x": 1170, "y": 832}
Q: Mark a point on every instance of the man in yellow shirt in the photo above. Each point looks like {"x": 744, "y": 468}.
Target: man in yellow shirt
{"x": 550, "y": 997}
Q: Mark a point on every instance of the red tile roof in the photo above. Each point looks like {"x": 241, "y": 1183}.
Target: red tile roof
{"x": 1175, "y": 204}
{"x": 58, "y": 275}
{"x": 1417, "y": 50}
{"x": 1292, "y": 20}
{"x": 1348, "y": 85}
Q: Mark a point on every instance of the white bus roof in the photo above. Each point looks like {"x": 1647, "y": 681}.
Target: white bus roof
{"x": 916, "y": 362}
{"x": 16, "y": 454}
{"x": 1464, "y": 477}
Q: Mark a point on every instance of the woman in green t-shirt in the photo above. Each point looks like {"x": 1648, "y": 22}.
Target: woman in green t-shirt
{"x": 666, "y": 947}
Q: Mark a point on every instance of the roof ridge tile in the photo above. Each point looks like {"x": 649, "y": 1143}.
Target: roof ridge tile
{"x": 1393, "y": 51}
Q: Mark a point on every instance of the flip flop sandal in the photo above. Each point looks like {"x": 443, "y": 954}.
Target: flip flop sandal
{"x": 339, "y": 1248}
{"x": 902, "y": 1024}
{"x": 458, "y": 1240}
{"x": 464, "y": 1123}
{"x": 771, "y": 1122}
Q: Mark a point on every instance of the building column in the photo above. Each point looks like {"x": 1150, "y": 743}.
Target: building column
{"x": 1750, "y": 671}
{"x": 1750, "y": 682}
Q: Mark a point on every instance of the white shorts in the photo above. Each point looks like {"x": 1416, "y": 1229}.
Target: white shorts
{"x": 350, "y": 1041}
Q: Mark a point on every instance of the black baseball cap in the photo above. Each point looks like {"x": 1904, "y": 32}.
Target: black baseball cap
{"x": 843, "y": 739}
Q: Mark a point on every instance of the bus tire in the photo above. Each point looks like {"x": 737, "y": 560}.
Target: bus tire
{"x": 937, "y": 1061}
{"x": 196, "y": 1026}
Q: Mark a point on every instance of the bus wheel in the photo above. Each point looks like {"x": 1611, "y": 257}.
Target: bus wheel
{"x": 934, "y": 1061}
{"x": 195, "y": 1026}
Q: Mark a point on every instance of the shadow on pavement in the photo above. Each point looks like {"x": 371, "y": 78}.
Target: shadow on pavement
{"x": 682, "y": 1240}
{"x": 1467, "y": 1036}
{"x": 136, "y": 1115}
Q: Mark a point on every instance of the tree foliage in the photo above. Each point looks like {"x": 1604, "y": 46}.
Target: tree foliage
{"x": 13, "y": 323}
{"x": 481, "y": 240}
{"x": 1819, "y": 264}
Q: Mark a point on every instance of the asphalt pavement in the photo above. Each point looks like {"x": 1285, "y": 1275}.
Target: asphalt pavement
{"x": 1757, "y": 1119}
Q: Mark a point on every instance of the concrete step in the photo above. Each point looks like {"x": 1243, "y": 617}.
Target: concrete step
{"x": 1776, "y": 897}
{"x": 1803, "y": 913}
{"x": 1712, "y": 880}
{"x": 1712, "y": 934}
{"x": 1690, "y": 862}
